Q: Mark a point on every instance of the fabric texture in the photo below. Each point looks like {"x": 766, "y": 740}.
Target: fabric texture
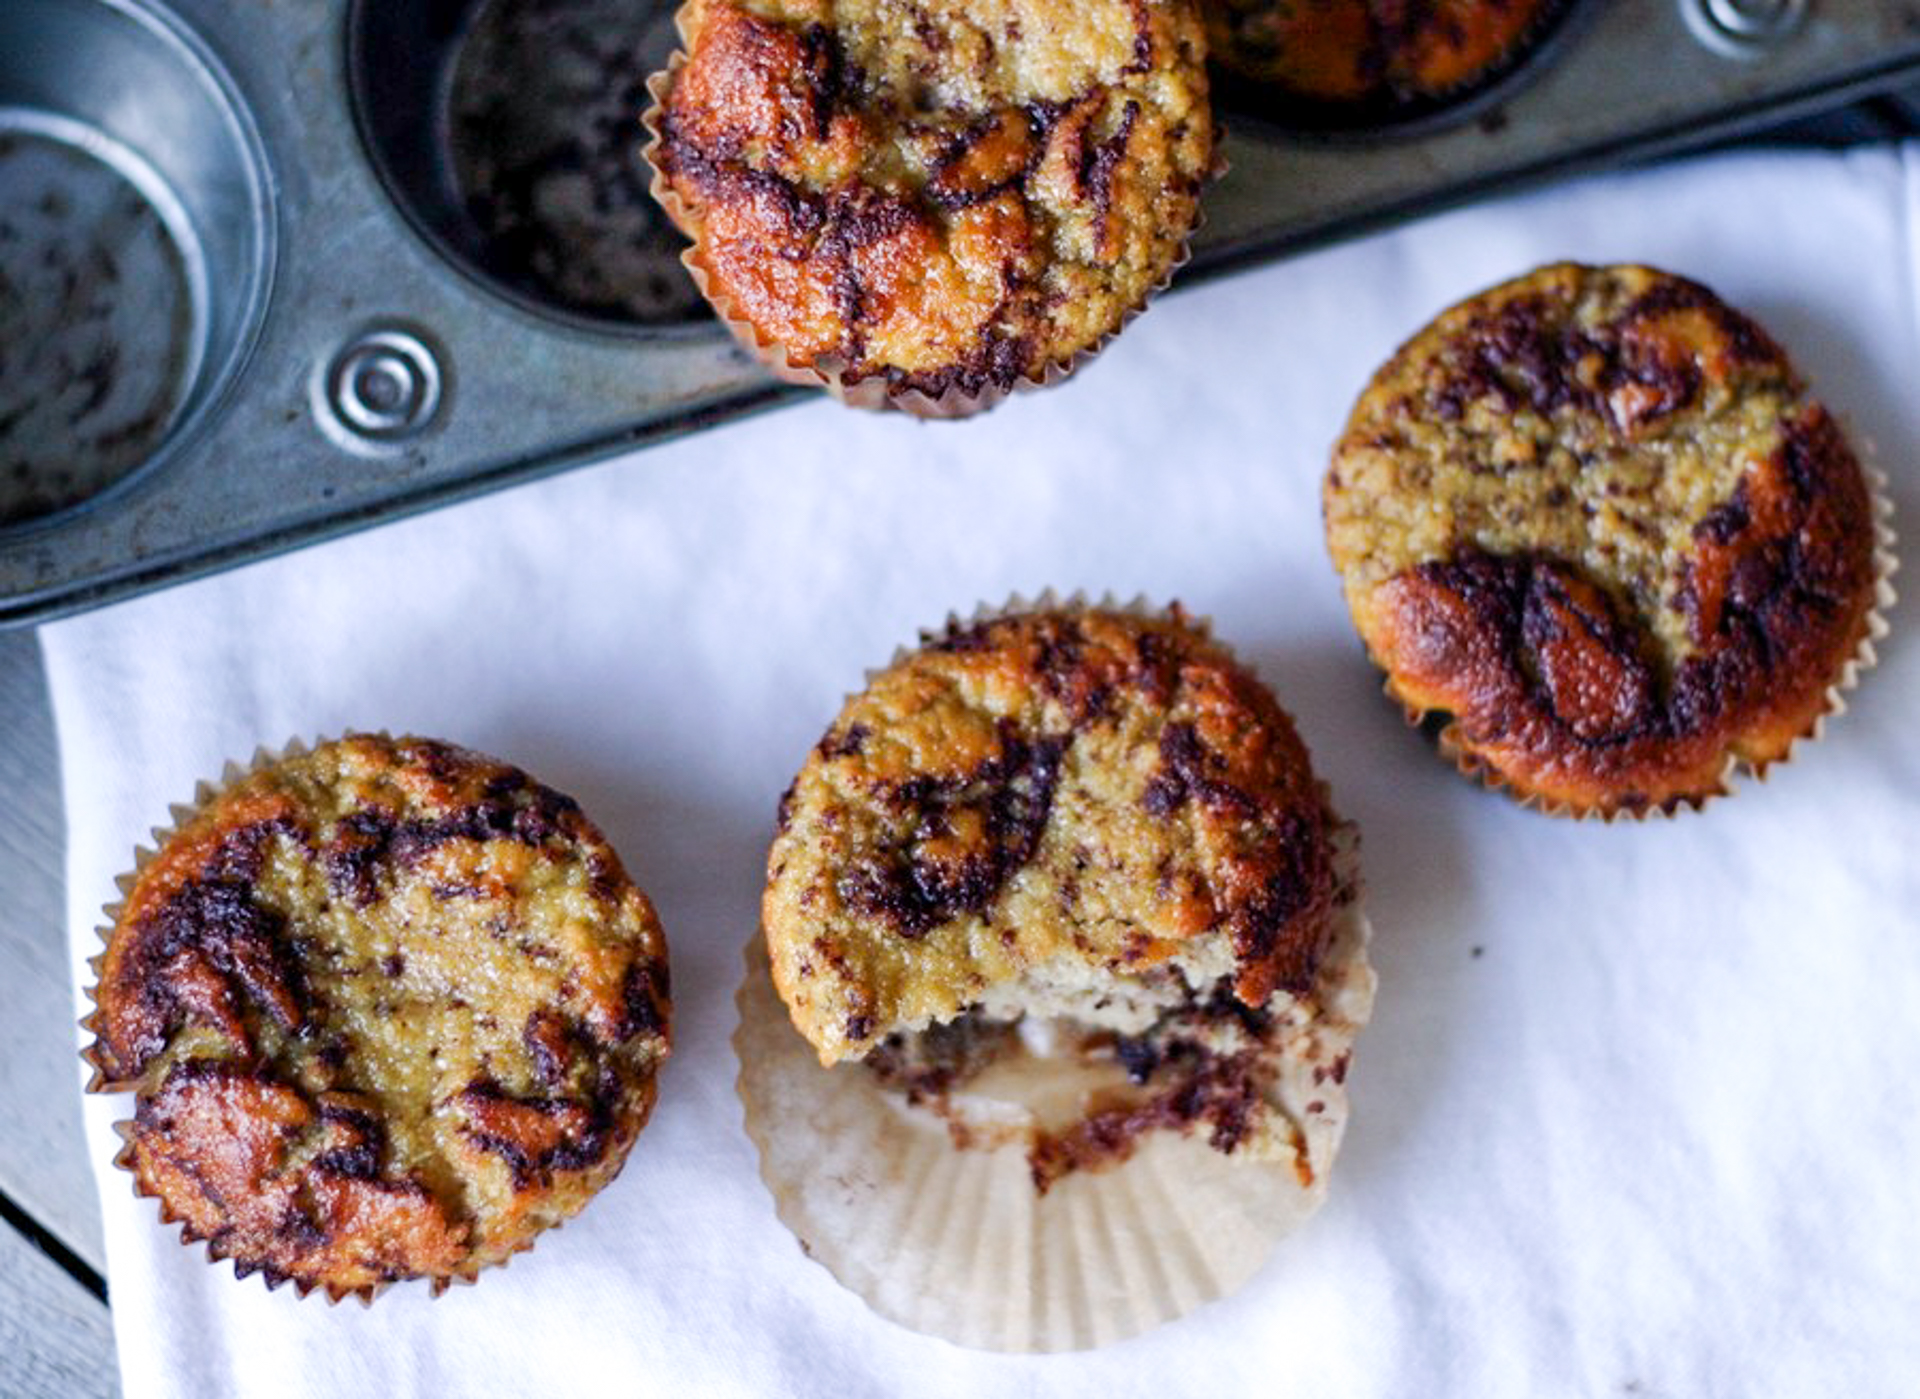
{"x": 1638, "y": 1112}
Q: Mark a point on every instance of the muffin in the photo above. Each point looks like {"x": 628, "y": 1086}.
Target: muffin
{"x": 928, "y": 205}
{"x": 1595, "y": 518}
{"x": 1365, "y": 62}
{"x": 388, "y": 1009}
{"x": 1055, "y": 886}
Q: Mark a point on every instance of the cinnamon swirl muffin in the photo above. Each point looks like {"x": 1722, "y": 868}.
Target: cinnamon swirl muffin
{"x": 1595, "y": 517}
{"x": 1081, "y": 817}
{"x": 928, "y": 204}
{"x": 389, "y": 1009}
{"x": 1363, "y": 62}
{"x": 1060, "y": 896}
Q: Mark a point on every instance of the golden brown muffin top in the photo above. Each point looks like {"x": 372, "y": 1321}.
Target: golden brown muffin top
{"x": 390, "y": 1008}
{"x": 1376, "y": 54}
{"x": 1595, "y": 514}
{"x": 1071, "y": 783}
{"x": 945, "y": 194}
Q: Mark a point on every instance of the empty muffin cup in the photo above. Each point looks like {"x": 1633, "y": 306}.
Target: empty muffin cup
{"x": 136, "y": 245}
{"x": 508, "y": 133}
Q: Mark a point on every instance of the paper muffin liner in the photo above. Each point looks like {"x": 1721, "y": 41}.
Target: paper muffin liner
{"x": 955, "y": 1241}
{"x": 1052, "y": 600}
{"x": 874, "y": 391}
{"x": 1864, "y": 657}
{"x": 181, "y": 814}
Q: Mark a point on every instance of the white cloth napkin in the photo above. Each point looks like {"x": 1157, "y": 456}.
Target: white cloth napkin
{"x": 1640, "y": 1109}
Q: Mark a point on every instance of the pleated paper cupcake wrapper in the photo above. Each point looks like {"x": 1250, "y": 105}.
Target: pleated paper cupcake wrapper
{"x": 1051, "y": 600}
{"x": 1864, "y": 656}
{"x": 182, "y": 815}
{"x": 957, "y": 1243}
{"x": 871, "y": 391}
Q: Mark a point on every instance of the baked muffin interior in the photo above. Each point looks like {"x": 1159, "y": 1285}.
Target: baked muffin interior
{"x": 1091, "y": 1060}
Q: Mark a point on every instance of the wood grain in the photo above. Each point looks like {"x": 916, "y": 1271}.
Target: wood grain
{"x": 55, "y": 1337}
{"x": 56, "y": 1340}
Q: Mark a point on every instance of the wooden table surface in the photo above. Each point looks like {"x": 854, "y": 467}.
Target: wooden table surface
{"x": 56, "y": 1335}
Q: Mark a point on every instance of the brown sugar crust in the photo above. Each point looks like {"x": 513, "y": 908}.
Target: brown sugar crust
{"x": 1069, "y": 783}
{"x": 942, "y": 195}
{"x": 1595, "y": 515}
{"x": 1373, "y": 54}
{"x": 390, "y": 1009}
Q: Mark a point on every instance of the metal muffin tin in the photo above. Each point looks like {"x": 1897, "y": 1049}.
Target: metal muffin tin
{"x": 368, "y": 281}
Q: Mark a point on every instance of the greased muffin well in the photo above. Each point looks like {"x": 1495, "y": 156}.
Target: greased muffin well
{"x": 1372, "y": 60}
{"x": 1595, "y": 515}
{"x": 934, "y": 200}
{"x": 390, "y": 1008}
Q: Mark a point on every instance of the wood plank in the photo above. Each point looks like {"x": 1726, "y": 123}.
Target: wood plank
{"x": 43, "y": 1164}
{"x": 55, "y": 1338}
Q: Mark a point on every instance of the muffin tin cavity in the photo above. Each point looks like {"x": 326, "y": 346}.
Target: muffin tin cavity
{"x": 1362, "y": 69}
{"x": 135, "y": 246}
{"x": 508, "y": 131}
